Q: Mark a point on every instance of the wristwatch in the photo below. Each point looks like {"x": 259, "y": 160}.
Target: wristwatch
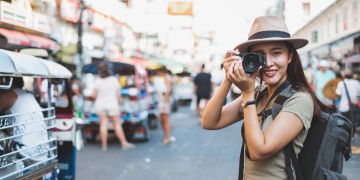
{"x": 246, "y": 102}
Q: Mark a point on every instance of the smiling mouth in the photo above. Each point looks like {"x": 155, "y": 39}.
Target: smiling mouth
{"x": 270, "y": 73}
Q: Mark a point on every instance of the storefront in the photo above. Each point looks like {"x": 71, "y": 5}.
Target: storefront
{"x": 20, "y": 27}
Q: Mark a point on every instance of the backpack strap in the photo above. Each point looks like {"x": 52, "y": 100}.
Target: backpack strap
{"x": 291, "y": 161}
{"x": 241, "y": 163}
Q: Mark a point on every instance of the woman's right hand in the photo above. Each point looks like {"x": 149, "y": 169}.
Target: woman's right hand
{"x": 230, "y": 58}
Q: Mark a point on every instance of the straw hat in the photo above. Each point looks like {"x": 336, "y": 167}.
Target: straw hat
{"x": 268, "y": 29}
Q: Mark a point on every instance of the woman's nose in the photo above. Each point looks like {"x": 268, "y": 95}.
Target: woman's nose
{"x": 268, "y": 60}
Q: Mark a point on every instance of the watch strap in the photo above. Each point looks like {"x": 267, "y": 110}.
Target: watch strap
{"x": 250, "y": 102}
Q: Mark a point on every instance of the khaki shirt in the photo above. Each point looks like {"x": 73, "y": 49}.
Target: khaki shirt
{"x": 273, "y": 168}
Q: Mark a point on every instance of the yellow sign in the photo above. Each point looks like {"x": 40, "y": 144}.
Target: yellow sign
{"x": 180, "y": 7}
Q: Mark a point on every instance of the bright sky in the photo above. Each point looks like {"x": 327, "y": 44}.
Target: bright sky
{"x": 230, "y": 19}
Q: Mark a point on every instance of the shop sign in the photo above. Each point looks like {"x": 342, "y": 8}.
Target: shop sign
{"x": 42, "y": 23}
{"x": 180, "y": 7}
{"x": 24, "y": 18}
{"x": 11, "y": 14}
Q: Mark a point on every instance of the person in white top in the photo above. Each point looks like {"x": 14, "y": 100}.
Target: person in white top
{"x": 32, "y": 135}
{"x": 353, "y": 87}
{"x": 107, "y": 104}
{"x": 163, "y": 86}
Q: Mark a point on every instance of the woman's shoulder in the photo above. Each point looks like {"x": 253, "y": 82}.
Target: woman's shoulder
{"x": 302, "y": 105}
{"x": 300, "y": 97}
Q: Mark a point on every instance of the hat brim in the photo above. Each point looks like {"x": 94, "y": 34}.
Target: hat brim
{"x": 296, "y": 42}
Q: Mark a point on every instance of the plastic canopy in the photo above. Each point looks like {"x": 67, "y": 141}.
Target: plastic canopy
{"x": 16, "y": 64}
{"x": 117, "y": 68}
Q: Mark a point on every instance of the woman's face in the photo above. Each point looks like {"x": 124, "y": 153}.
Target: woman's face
{"x": 277, "y": 60}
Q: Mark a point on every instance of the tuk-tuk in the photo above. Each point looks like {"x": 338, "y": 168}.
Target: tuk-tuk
{"x": 28, "y": 146}
{"x": 67, "y": 127}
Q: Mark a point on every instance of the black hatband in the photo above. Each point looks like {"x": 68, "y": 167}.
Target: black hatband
{"x": 269, "y": 34}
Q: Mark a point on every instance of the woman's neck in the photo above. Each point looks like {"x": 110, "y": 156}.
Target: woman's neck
{"x": 272, "y": 88}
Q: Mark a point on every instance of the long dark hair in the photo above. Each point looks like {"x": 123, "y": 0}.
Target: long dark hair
{"x": 297, "y": 79}
{"x": 104, "y": 69}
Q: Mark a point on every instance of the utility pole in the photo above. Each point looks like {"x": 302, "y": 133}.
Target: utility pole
{"x": 79, "y": 43}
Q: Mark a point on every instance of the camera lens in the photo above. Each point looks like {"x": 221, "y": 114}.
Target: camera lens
{"x": 251, "y": 62}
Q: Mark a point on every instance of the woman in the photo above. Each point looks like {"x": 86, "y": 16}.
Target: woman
{"x": 265, "y": 139}
{"x": 107, "y": 104}
{"x": 164, "y": 88}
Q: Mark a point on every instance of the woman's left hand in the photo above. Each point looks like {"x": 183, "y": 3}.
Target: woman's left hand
{"x": 245, "y": 82}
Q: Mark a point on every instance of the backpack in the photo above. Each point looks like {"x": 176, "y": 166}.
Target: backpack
{"x": 327, "y": 142}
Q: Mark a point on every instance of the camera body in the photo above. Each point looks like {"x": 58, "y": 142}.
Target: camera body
{"x": 252, "y": 62}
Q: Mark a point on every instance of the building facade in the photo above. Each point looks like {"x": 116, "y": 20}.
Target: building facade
{"x": 333, "y": 33}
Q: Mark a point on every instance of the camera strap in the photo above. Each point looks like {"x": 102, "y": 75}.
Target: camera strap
{"x": 283, "y": 86}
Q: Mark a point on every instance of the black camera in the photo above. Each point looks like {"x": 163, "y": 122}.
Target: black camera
{"x": 252, "y": 62}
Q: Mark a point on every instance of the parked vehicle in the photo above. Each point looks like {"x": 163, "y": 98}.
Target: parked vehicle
{"x": 34, "y": 149}
{"x": 66, "y": 128}
{"x": 183, "y": 88}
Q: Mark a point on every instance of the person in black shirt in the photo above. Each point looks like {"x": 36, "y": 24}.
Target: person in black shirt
{"x": 202, "y": 89}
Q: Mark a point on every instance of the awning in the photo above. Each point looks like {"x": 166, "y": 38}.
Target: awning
{"x": 134, "y": 61}
{"x": 117, "y": 68}
{"x": 42, "y": 42}
{"x": 14, "y": 37}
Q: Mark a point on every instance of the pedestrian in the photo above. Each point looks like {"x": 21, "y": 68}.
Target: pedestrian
{"x": 163, "y": 86}
{"x": 77, "y": 98}
{"x": 330, "y": 88}
{"x": 322, "y": 76}
{"x": 309, "y": 74}
{"x": 107, "y": 95}
{"x": 264, "y": 137}
{"x": 349, "y": 92}
{"x": 202, "y": 89}
{"x": 348, "y": 89}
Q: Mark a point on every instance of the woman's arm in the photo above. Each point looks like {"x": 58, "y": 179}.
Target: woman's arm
{"x": 7, "y": 99}
{"x": 217, "y": 116}
{"x": 168, "y": 87}
{"x": 119, "y": 96}
{"x": 283, "y": 129}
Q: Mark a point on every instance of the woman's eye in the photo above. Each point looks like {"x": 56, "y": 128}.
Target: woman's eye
{"x": 277, "y": 53}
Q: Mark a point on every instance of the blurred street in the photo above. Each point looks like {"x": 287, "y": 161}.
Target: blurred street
{"x": 70, "y": 70}
{"x": 196, "y": 154}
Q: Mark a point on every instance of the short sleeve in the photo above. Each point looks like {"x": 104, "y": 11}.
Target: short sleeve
{"x": 339, "y": 87}
{"x": 302, "y": 105}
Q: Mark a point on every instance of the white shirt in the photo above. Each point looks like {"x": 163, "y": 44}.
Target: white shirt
{"x": 160, "y": 84}
{"x": 353, "y": 87}
{"x": 34, "y": 128}
{"x": 107, "y": 90}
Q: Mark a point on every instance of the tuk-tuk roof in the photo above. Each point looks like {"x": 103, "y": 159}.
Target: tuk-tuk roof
{"x": 16, "y": 64}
